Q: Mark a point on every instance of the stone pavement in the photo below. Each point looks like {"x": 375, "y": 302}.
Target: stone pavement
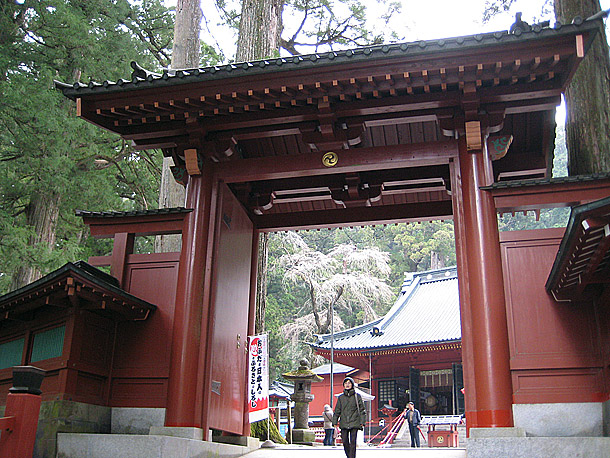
{"x": 296, "y": 451}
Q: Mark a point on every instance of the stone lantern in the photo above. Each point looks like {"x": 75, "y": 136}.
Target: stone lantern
{"x": 302, "y": 378}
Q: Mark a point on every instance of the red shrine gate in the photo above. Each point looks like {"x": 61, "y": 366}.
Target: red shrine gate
{"x": 381, "y": 134}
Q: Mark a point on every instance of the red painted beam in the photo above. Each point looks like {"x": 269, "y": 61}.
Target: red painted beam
{"x": 349, "y": 161}
{"x": 104, "y": 227}
{"x": 549, "y": 195}
{"x": 320, "y": 219}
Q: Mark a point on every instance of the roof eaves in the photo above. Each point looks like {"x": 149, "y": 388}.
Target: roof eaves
{"x": 394, "y": 346}
{"x": 137, "y": 213}
{"x": 85, "y": 271}
{"x": 577, "y": 215}
{"x": 322, "y": 338}
{"x": 546, "y": 181}
{"x": 142, "y": 79}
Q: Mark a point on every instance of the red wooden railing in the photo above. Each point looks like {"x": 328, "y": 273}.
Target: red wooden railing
{"x": 391, "y": 430}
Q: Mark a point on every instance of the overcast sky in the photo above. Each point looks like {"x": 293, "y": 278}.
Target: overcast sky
{"x": 419, "y": 20}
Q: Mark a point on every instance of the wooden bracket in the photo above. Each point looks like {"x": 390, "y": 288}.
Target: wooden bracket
{"x": 191, "y": 158}
{"x": 473, "y": 136}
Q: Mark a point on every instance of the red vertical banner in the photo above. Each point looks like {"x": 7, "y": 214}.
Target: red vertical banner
{"x": 258, "y": 377}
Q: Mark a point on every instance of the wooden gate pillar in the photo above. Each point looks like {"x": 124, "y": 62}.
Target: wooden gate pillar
{"x": 487, "y": 380}
{"x": 192, "y": 305}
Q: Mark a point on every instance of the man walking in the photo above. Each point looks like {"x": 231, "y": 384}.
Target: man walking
{"x": 414, "y": 419}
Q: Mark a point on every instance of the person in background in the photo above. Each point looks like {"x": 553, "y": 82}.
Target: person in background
{"x": 350, "y": 414}
{"x": 327, "y": 415}
{"x": 414, "y": 419}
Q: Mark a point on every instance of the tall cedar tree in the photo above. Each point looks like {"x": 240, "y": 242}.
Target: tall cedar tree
{"x": 260, "y": 28}
{"x": 185, "y": 54}
{"x": 587, "y": 96}
{"x": 53, "y": 163}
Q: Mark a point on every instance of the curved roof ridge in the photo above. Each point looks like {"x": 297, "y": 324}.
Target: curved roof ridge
{"x": 144, "y": 78}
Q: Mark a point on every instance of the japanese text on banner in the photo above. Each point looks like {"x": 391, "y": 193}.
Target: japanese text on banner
{"x": 258, "y": 378}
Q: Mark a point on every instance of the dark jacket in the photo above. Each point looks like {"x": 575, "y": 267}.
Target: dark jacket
{"x": 416, "y": 420}
{"x": 349, "y": 410}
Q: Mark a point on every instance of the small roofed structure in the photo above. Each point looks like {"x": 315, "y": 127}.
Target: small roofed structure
{"x": 414, "y": 351}
{"x": 69, "y": 315}
{"x": 78, "y": 285}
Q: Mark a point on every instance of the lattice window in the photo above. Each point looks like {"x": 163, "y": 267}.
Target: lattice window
{"x": 48, "y": 344}
{"x": 387, "y": 392}
{"x": 11, "y": 353}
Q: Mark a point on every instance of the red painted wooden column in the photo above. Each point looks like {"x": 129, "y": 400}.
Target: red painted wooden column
{"x": 486, "y": 355}
{"x": 18, "y": 427}
{"x": 184, "y": 388}
{"x": 122, "y": 247}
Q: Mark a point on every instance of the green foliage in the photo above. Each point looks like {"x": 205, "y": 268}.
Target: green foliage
{"x": 418, "y": 242}
{"x": 44, "y": 149}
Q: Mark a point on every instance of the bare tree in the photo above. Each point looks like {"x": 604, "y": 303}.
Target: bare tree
{"x": 346, "y": 279}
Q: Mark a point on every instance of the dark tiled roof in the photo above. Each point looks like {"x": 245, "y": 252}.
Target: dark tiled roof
{"x": 113, "y": 214}
{"x": 414, "y": 319}
{"x": 141, "y": 78}
{"x": 132, "y": 306}
{"x": 546, "y": 181}
{"x": 583, "y": 258}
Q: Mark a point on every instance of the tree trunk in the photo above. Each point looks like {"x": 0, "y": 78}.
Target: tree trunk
{"x": 588, "y": 98}
{"x": 436, "y": 261}
{"x": 187, "y": 45}
{"x": 261, "y": 282}
{"x": 185, "y": 54}
{"x": 260, "y": 27}
{"x": 42, "y": 214}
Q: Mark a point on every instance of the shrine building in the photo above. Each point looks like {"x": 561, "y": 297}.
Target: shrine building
{"x": 459, "y": 128}
{"x": 413, "y": 353}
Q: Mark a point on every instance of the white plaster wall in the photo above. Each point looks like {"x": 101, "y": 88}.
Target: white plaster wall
{"x": 560, "y": 420}
{"x": 135, "y": 420}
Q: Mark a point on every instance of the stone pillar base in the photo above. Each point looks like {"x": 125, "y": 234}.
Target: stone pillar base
{"x": 244, "y": 441}
{"x": 303, "y": 436}
{"x": 175, "y": 431}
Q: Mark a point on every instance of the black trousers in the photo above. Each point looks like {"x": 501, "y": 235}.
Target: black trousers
{"x": 348, "y": 436}
{"x": 414, "y": 435}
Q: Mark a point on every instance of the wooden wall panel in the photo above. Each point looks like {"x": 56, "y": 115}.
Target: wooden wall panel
{"x": 90, "y": 389}
{"x": 142, "y": 349}
{"x": 139, "y": 392}
{"x": 603, "y": 312}
{"x": 231, "y": 297}
{"x": 554, "y": 347}
{"x": 558, "y": 385}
